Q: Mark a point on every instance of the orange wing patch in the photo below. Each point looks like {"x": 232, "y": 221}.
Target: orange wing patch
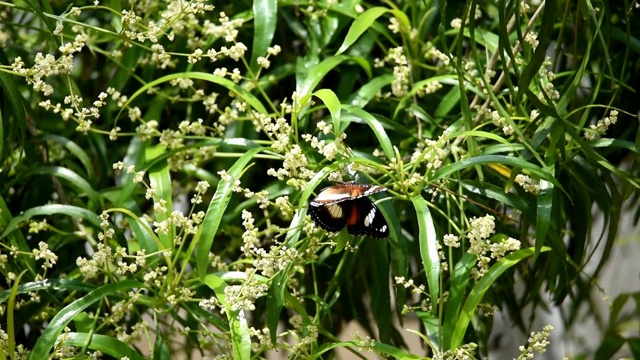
{"x": 354, "y": 216}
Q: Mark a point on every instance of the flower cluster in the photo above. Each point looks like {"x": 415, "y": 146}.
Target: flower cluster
{"x": 483, "y": 248}
{"x": 419, "y": 290}
{"x": 547, "y": 76}
{"x": 537, "y": 343}
{"x": 602, "y": 126}
{"x": 328, "y": 150}
{"x": 464, "y": 352}
{"x": 500, "y": 121}
{"x": 527, "y": 184}
{"x": 243, "y": 297}
{"x": 47, "y": 66}
{"x": 401, "y": 70}
{"x": 45, "y": 254}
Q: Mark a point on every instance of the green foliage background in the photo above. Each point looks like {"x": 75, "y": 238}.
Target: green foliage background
{"x": 445, "y": 116}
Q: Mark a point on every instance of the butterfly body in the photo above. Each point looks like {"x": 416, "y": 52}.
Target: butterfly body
{"x": 348, "y": 204}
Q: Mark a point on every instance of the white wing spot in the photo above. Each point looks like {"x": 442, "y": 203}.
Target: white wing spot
{"x": 369, "y": 219}
{"x": 335, "y": 210}
{"x": 383, "y": 229}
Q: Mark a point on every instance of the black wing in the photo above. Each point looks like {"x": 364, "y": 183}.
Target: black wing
{"x": 332, "y": 217}
{"x": 364, "y": 218}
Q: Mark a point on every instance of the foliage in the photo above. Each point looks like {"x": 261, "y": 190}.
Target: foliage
{"x": 158, "y": 158}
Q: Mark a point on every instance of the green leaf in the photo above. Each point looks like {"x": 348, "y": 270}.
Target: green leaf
{"x": 74, "y": 149}
{"x": 395, "y": 352}
{"x": 217, "y": 207}
{"x": 369, "y": 90}
{"x": 47, "y": 340}
{"x": 160, "y": 179}
{"x": 634, "y": 347}
{"x": 361, "y": 24}
{"x": 72, "y": 211}
{"x": 457, "y": 166}
{"x": 103, "y": 343}
{"x": 17, "y": 239}
{"x": 481, "y": 287}
{"x": 160, "y": 349}
{"x": 428, "y": 248}
{"x": 380, "y": 294}
{"x": 457, "y": 290}
{"x": 265, "y": 18}
{"x": 545, "y": 35}
{"x": 12, "y": 125}
{"x": 50, "y": 284}
{"x": 237, "y": 323}
{"x": 376, "y": 126}
{"x": 496, "y": 193}
{"x": 240, "y": 335}
{"x": 11, "y": 331}
{"x": 73, "y": 178}
{"x": 318, "y": 73}
{"x": 228, "y": 84}
{"x": 544, "y": 209}
{"x": 275, "y": 302}
{"x": 609, "y": 346}
{"x": 332, "y": 103}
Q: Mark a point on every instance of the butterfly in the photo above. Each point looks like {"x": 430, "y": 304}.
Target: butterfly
{"x": 346, "y": 203}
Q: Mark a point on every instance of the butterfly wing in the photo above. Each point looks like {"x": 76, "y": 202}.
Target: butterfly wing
{"x": 345, "y": 191}
{"x": 332, "y": 217}
{"x": 364, "y": 218}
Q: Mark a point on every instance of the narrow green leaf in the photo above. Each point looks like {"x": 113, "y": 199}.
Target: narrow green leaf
{"x": 332, "y": 103}
{"x": 73, "y": 178}
{"x": 457, "y": 290}
{"x": 449, "y": 169}
{"x": 240, "y": 335}
{"x": 50, "y": 284}
{"x": 217, "y": 207}
{"x": 361, "y": 24}
{"x": 103, "y": 343}
{"x": 318, "y": 73}
{"x": 609, "y": 346}
{"x": 11, "y": 331}
{"x": 428, "y": 248}
{"x": 237, "y": 323}
{"x": 376, "y": 126}
{"x": 160, "y": 179}
{"x": 496, "y": 193}
{"x": 545, "y": 35}
{"x": 275, "y": 302}
{"x": 18, "y": 240}
{"x": 74, "y": 149}
{"x": 543, "y": 218}
{"x": 481, "y": 135}
{"x": 419, "y": 86}
{"x": 265, "y": 17}
{"x": 448, "y": 102}
{"x": 369, "y": 90}
{"x": 481, "y": 288}
{"x": 160, "y": 349}
{"x": 228, "y": 84}
{"x": 395, "y": 352}
{"x": 380, "y": 294}
{"x": 47, "y": 340}
{"x": 16, "y": 121}
{"x": 55, "y": 209}
{"x": 634, "y": 347}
